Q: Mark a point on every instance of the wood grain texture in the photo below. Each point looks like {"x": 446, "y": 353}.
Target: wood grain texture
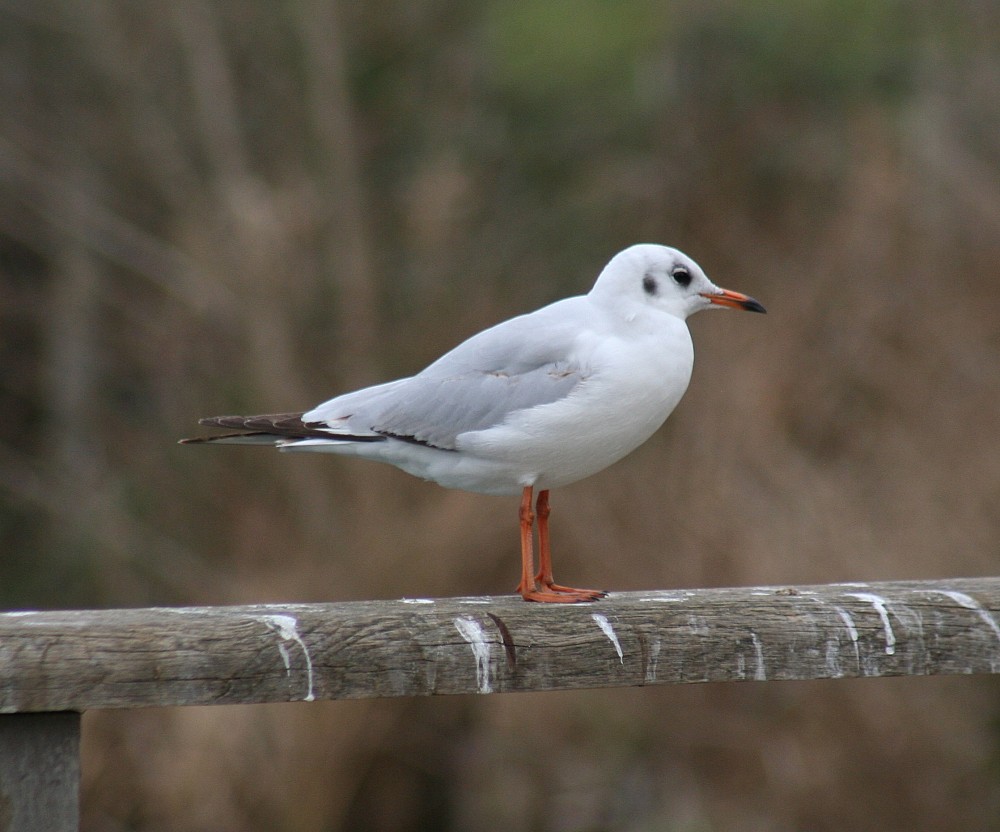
{"x": 77, "y": 660}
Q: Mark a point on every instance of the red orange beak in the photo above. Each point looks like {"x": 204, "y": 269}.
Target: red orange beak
{"x": 736, "y": 300}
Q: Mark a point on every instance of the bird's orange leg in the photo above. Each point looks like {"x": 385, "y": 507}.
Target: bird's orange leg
{"x": 544, "y": 576}
{"x": 527, "y": 585}
{"x": 529, "y": 591}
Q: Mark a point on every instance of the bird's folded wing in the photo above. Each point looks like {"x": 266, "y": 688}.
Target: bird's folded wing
{"x": 522, "y": 363}
{"x": 435, "y": 411}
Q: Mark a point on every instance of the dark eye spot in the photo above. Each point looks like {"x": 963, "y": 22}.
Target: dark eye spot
{"x": 681, "y": 276}
{"x": 649, "y": 285}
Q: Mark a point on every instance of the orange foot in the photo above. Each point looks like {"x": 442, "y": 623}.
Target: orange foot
{"x": 541, "y": 587}
{"x": 555, "y": 594}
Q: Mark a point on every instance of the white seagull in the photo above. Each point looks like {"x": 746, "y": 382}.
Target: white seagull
{"x": 534, "y": 403}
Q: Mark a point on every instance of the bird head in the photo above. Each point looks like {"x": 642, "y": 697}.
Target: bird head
{"x": 666, "y": 279}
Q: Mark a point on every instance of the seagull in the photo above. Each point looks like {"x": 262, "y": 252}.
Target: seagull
{"x": 531, "y": 404}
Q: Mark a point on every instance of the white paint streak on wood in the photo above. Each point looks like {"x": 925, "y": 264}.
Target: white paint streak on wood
{"x": 654, "y": 658}
{"x": 833, "y": 658}
{"x": 286, "y": 659}
{"x": 472, "y": 631}
{"x": 741, "y": 667}
{"x": 760, "y": 674}
{"x": 852, "y": 632}
{"x": 287, "y": 629}
{"x": 971, "y": 603}
{"x": 880, "y": 605}
{"x": 609, "y": 631}
{"x": 698, "y": 625}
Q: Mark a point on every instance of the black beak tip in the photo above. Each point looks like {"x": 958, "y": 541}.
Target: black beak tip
{"x": 752, "y": 305}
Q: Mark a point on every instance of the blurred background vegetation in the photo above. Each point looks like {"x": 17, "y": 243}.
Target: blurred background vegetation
{"x": 247, "y": 205}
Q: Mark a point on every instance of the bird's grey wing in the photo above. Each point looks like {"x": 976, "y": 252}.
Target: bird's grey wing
{"x": 522, "y": 363}
{"x": 435, "y": 411}
{"x": 337, "y": 415}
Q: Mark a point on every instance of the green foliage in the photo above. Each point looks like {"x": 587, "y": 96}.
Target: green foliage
{"x": 821, "y": 53}
{"x": 547, "y": 49}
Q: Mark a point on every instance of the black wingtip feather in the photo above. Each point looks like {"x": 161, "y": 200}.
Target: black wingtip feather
{"x": 278, "y": 425}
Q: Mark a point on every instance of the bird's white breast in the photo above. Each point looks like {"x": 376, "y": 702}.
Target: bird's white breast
{"x": 634, "y": 379}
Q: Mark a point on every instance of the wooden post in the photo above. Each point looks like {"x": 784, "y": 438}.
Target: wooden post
{"x": 54, "y": 665}
{"x": 40, "y": 772}
{"x": 78, "y": 660}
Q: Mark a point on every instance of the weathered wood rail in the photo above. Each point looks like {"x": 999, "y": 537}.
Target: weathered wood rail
{"x": 54, "y": 665}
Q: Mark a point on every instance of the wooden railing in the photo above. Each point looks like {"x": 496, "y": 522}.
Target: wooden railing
{"x": 55, "y": 665}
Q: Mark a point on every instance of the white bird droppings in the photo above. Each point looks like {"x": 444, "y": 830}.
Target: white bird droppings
{"x": 880, "y": 605}
{"x": 654, "y": 660}
{"x": 287, "y": 629}
{"x": 971, "y": 603}
{"x": 760, "y": 674}
{"x": 852, "y": 631}
{"x": 286, "y": 659}
{"x": 472, "y": 631}
{"x": 609, "y": 631}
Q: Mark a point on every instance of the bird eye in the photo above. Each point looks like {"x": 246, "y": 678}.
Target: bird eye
{"x": 681, "y": 276}
{"x": 649, "y": 284}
